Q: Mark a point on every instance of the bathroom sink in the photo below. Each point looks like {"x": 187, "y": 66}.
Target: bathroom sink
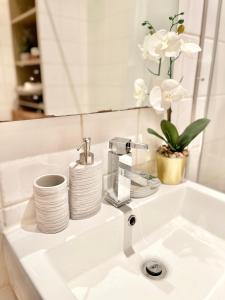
{"x": 183, "y": 227}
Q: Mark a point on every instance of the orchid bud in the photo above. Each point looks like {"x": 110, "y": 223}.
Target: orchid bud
{"x": 180, "y": 29}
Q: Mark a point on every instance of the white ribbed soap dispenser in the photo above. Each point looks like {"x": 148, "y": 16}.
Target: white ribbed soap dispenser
{"x": 85, "y": 184}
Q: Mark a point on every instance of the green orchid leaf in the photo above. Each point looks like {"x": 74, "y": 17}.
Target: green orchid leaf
{"x": 153, "y": 132}
{"x": 191, "y": 132}
{"x": 170, "y": 132}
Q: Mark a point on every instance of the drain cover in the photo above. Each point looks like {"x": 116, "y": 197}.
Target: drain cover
{"x": 154, "y": 269}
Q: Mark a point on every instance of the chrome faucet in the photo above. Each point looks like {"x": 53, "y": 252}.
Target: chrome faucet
{"x": 121, "y": 173}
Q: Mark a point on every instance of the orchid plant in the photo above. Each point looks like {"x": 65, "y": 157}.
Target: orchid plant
{"x": 166, "y": 46}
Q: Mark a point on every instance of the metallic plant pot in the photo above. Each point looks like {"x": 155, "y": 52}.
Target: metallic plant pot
{"x": 170, "y": 170}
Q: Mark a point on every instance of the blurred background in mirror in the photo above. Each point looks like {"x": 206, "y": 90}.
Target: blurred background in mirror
{"x": 75, "y": 56}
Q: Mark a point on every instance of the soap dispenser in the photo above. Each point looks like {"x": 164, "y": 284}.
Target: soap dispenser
{"x": 85, "y": 183}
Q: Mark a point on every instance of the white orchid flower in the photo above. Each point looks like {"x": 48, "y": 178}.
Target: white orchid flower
{"x": 140, "y": 91}
{"x": 162, "y": 96}
{"x": 189, "y": 48}
{"x": 173, "y": 44}
{"x": 165, "y": 43}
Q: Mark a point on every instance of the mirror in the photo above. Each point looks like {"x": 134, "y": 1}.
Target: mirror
{"x": 75, "y": 56}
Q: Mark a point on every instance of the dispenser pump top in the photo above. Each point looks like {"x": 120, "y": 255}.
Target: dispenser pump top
{"x": 86, "y": 157}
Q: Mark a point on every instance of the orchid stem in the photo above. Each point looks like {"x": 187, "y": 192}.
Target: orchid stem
{"x": 177, "y": 57}
{"x": 175, "y": 20}
{"x": 160, "y": 64}
{"x": 170, "y": 73}
{"x": 153, "y": 73}
{"x": 169, "y": 114}
{"x": 159, "y": 69}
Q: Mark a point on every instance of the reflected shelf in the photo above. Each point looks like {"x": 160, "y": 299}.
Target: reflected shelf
{"x": 32, "y": 105}
{"x": 27, "y": 17}
{"x": 31, "y": 62}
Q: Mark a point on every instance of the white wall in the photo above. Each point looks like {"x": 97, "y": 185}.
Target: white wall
{"x": 110, "y": 34}
{"x": 213, "y": 161}
{"x": 62, "y": 30}
{"x": 187, "y": 67}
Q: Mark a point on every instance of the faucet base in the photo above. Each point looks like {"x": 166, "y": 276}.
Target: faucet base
{"x": 116, "y": 203}
{"x": 138, "y": 191}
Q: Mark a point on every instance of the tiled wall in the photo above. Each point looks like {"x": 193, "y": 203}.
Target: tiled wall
{"x": 213, "y": 161}
{"x": 187, "y": 67}
{"x": 62, "y": 33}
{"x": 7, "y": 71}
{"x": 3, "y": 273}
{"x": 110, "y": 34}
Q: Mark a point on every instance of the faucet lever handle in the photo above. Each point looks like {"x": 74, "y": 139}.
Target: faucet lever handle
{"x": 139, "y": 146}
{"x": 122, "y": 146}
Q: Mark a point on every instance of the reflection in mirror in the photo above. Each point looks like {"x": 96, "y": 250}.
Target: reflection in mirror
{"x": 76, "y": 56}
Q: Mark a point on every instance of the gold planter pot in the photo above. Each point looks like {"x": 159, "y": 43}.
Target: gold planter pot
{"x": 170, "y": 170}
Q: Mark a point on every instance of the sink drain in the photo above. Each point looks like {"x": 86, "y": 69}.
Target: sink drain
{"x": 154, "y": 269}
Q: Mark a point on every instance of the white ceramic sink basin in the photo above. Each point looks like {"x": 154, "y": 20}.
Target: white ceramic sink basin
{"x": 103, "y": 257}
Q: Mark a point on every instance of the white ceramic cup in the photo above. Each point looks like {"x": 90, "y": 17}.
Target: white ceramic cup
{"x": 51, "y": 203}
{"x": 50, "y": 183}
